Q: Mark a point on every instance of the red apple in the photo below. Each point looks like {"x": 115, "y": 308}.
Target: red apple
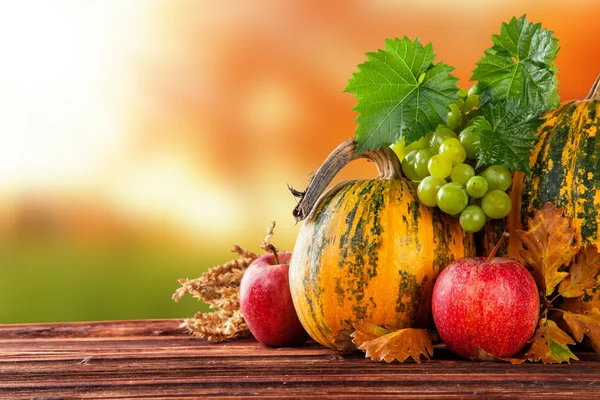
{"x": 490, "y": 303}
{"x": 266, "y": 302}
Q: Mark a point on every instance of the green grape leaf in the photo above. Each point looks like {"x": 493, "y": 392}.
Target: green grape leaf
{"x": 520, "y": 67}
{"x": 506, "y": 136}
{"x": 401, "y": 94}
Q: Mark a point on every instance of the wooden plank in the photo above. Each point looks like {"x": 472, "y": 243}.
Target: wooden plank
{"x": 148, "y": 327}
{"x": 156, "y": 359}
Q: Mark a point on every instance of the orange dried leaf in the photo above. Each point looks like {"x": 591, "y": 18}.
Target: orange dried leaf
{"x": 483, "y": 355}
{"x": 548, "y": 244}
{"x": 400, "y": 345}
{"x": 582, "y": 273}
{"x": 343, "y": 340}
{"x": 365, "y": 331}
{"x": 585, "y": 324}
{"x": 583, "y": 304}
{"x": 550, "y": 344}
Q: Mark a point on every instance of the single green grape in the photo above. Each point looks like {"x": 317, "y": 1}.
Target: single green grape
{"x": 477, "y": 187}
{"x": 427, "y": 190}
{"x": 496, "y": 204}
{"x": 421, "y": 160}
{"x": 408, "y": 166}
{"x": 470, "y": 116}
{"x": 469, "y": 139}
{"x": 439, "y": 136}
{"x": 439, "y": 166}
{"x": 452, "y": 198}
{"x": 497, "y": 177}
{"x": 454, "y": 150}
{"x": 454, "y": 117}
{"x": 472, "y": 219}
{"x": 472, "y": 100}
{"x": 462, "y": 173}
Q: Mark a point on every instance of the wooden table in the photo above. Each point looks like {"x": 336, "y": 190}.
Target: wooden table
{"x": 155, "y": 359}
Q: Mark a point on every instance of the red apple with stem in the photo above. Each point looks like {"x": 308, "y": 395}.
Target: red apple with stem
{"x": 488, "y": 303}
{"x": 266, "y": 301}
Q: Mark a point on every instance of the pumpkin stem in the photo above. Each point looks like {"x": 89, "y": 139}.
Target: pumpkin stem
{"x": 385, "y": 159}
{"x": 594, "y": 93}
{"x": 495, "y": 249}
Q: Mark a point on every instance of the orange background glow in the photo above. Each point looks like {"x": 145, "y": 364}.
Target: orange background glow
{"x": 140, "y": 139}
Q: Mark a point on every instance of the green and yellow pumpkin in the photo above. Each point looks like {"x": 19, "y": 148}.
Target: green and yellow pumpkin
{"x": 368, "y": 250}
{"x": 565, "y": 170}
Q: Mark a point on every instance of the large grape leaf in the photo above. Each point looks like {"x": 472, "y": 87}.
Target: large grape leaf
{"x": 401, "y": 94}
{"x": 506, "y": 136}
{"x": 520, "y": 67}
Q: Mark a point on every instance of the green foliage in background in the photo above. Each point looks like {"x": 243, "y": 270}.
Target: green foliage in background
{"x": 45, "y": 282}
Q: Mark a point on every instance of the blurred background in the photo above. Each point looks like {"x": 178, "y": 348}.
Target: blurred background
{"x": 140, "y": 139}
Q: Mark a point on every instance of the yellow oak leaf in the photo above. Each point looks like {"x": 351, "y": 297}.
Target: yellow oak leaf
{"x": 550, "y": 344}
{"x": 399, "y": 345}
{"x": 585, "y": 324}
{"x": 548, "y": 244}
{"x": 582, "y": 273}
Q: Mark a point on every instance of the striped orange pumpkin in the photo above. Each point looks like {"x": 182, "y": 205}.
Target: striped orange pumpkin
{"x": 564, "y": 171}
{"x": 369, "y": 250}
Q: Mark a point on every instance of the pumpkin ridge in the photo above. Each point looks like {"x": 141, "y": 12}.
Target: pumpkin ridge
{"x": 323, "y": 213}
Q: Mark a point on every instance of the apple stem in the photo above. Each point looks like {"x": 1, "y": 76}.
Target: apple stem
{"x": 495, "y": 249}
{"x": 272, "y": 249}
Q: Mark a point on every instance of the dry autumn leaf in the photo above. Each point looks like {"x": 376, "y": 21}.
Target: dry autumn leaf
{"x": 343, "y": 340}
{"x": 588, "y": 325}
{"x": 483, "y": 355}
{"x": 548, "y": 244}
{"x": 583, "y": 304}
{"x": 366, "y": 331}
{"x": 398, "y": 345}
{"x": 582, "y": 273}
{"x": 550, "y": 344}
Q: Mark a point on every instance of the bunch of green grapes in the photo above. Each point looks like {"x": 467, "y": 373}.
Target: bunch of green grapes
{"x": 443, "y": 164}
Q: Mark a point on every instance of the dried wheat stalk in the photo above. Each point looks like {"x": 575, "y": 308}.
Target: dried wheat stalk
{"x": 220, "y": 288}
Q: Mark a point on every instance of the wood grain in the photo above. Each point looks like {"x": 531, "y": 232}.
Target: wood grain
{"x": 156, "y": 359}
